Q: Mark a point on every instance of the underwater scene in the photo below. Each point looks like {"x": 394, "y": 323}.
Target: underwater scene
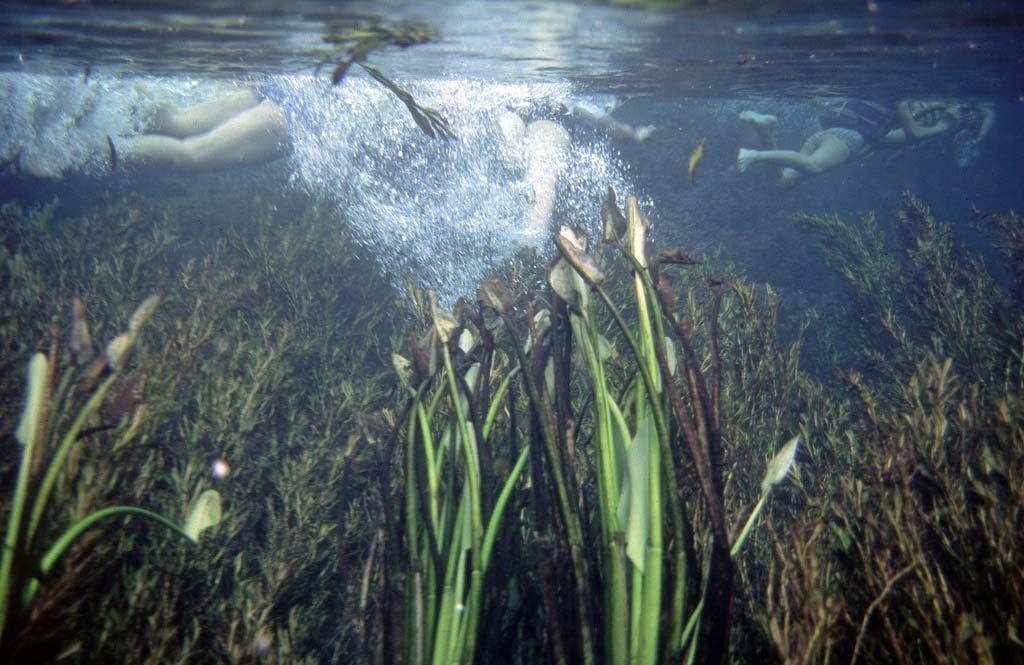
{"x": 629, "y": 332}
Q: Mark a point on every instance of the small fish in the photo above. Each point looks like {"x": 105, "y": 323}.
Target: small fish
{"x": 695, "y": 157}
{"x": 86, "y": 72}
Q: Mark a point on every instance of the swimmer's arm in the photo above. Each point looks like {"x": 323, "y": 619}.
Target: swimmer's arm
{"x": 913, "y": 130}
{"x": 988, "y": 118}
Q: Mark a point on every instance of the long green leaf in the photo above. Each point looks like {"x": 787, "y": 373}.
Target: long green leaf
{"x": 638, "y": 522}
{"x": 57, "y": 463}
{"x": 55, "y": 551}
{"x": 499, "y": 506}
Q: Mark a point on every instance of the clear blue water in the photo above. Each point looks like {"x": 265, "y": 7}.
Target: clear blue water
{"x": 444, "y": 212}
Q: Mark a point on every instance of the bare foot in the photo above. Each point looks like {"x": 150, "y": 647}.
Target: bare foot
{"x": 643, "y": 133}
{"x": 745, "y": 158}
{"x": 760, "y": 119}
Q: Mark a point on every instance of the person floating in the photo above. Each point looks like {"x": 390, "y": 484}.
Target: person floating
{"x": 850, "y": 129}
{"x": 237, "y": 129}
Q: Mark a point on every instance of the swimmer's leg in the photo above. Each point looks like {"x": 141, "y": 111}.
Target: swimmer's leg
{"x": 169, "y": 120}
{"x": 789, "y": 177}
{"x": 624, "y": 132}
{"x": 546, "y": 147}
{"x": 820, "y": 153}
{"x": 763, "y": 124}
{"x": 618, "y": 130}
{"x": 761, "y": 119}
{"x": 253, "y": 136}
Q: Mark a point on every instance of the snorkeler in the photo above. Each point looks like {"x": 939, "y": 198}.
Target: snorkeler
{"x": 851, "y": 128}
{"x": 238, "y": 129}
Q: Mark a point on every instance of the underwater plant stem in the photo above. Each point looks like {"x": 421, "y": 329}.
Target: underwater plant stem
{"x": 716, "y": 378}
{"x": 572, "y": 522}
{"x": 412, "y": 513}
{"x": 11, "y": 538}
{"x": 430, "y": 613}
{"x": 442, "y": 632}
{"x": 57, "y": 462}
{"x": 364, "y": 596}
{"x": 472, "y": 463}
{"x": 51, "y": 556}
{"x": 499, "y": 507}
{"x": 492, "y": 412}
{"x": 702, "y": 436}
{"x": 42, "y": 429}
{"x": 430, "y": 463}
{"x": 734, "y": 550}
{"x": 618, "y": 618}
{"x": 658, "y": 417}
{"x": 648, "y": 648}
{"x": 889, "y": 586}
{"x": 742, "y": 538}
{"x": 681, "y": 533}
{"x": 697, "y": 444}
{"x": 417, "y": 619}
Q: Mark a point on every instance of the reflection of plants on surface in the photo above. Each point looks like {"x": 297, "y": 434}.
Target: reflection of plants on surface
{"x": 352, "y": 44}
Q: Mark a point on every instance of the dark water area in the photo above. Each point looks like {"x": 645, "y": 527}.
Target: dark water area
{"x": 291, "y": 278}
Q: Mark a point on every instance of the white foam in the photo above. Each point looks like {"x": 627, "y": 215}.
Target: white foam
{"x": 441, "y": 212}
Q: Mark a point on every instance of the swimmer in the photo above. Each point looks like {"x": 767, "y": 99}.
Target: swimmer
{"x": 591, "y": 115}
{"x": 547, "y": 145}
{"x": 850, "y": 129}
{"x": 237, "y": 129}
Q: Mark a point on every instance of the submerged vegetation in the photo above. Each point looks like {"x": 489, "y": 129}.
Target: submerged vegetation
{"x": 622, "y": 464}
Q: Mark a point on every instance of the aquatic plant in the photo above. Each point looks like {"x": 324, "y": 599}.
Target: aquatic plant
{"x": 271, "y": 361}
{"x": 931, "y": 297}
{"x": 697, "y": 424}
{"x": 352, "y": 43}
{"x": 259, "y": 327}
{"x": 26, "y": 561}
{"x": 445, "y": 530}
{"x": 911, "y": 551}
{"x": 1008, "y": 232}
{"x": 637, "y": 419}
